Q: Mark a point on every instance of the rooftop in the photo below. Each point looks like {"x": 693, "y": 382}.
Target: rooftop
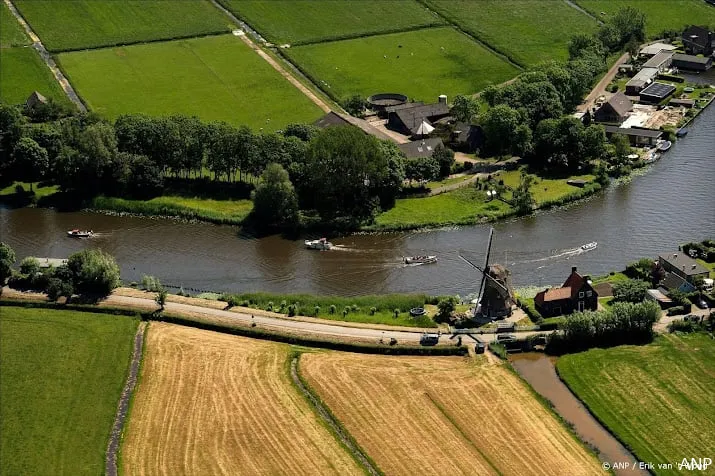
{"x": 413, "y": 117}
{"x": 336, "y": 119}
{"x": 656, "y": 48}
{"x": 691, "y": 58}
{"x": 420, "y": 148}
{"x": 658, "y": 59}
{"x": 658, "y": 90}
{"x": 683, "y": 262}
{"x": 620, "y": 103}
{"x": 634, "y": 132}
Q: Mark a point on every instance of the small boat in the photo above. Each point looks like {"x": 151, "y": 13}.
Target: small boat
{"x": 682, "y": 132}
{"x": 322, "y": 244}
{"x": 589, "y": 246}
{"x": 420, "y": 259}
{"x": 663, "y": 146}
{"x": 80, "y": 233}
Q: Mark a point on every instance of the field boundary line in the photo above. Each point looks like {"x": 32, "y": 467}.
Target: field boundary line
{"x": 338, "y": 430}
{"x": 272, "y": 62}
{"x": 578, "y": 7}
{"x": 47, "y": 58}
{"x": 124, "y": 400}
{"x": 356, "y": 36}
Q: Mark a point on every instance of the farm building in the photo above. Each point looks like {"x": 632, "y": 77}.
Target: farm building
{"x": 409, "y": 121}
{"x": 661, "y": 61}
{"x": 641, "y": 80}
{"x": 693, "y": 63}
{"x": 682, "y": 265}
{"x": 420, "y": 148}
{"x": 336, "y": 119}
{"x": 698, "y": 40}
{"x": 467, "y": 137}
{"x": 615, "y": 110}
{"x": 637, "y": 136}
{"x": 687, "y": 103}
{"x": 656, "y": 93}
{"x": 655, "y": 48}
{"x": 34, "y": 99}
{"x": 576, "y": 294}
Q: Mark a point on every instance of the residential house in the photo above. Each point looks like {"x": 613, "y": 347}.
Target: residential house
{"x": 641, "y": 80}
{"x": 693, "y": 63}
{"x": 337, "y": 119}
{"x": 615, "y": 110}
{"x": 683, "y": 265}
{"x": 655, "y": 48}
{"x": 661, "y": 61}
{"x": 638, "y": 137}
{"x": 673, "y": 281}
{"x": 420, "y": 148}
{"x": 698, "y": 40}
{"x": 408, "y": 121}
{"x": 577, "y": 294}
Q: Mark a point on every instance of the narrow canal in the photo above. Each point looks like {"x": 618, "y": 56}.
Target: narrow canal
{"x": 670, "y": 202}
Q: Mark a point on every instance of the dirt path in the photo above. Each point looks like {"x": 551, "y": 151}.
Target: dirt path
{"x": 119, "y": 420}
{"x": 600, "y": 88}
{"x": 45, "y": 55}
{"x": 310, "y": 94}
{"x": 455, "y": 186}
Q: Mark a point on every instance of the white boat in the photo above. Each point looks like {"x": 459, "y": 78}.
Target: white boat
{"x": 663, "y": 146}
{"x": 322, "y": 244}
{"x": 420, "y": 259}
{"x": 589, "y": 246}
{"x": 80, "y": 233}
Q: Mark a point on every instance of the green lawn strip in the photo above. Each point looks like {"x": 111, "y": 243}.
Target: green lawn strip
{"x": 40, "y": 191}
{"x": 657, "y": 398}
{"x": 527, "y": 31}
{"x": 216, "y": 211}
{"x": 300, "y": 21}
{"x": 606, "y": 302}
{"x": 306, "y": 303}
{"x": 421, "y": 64}
{"x": 11, "y": 33}
{"x": 545, "y": 190}
{"x": 80, "y": 24}
{"x": 613, "y": 278}
{"x": 62, "y": 375}
{"x": 661, "y": 15}
{"x": 447, "y": 181}
{"x": 216, "y": 78}
{"x": 22, "y": 71}
{"x": 709, "y": 266}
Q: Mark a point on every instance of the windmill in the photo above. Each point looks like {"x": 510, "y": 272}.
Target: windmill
{"x": 495, "y": 294}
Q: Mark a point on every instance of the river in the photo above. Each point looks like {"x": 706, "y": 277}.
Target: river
{"x": 670, "y": 202}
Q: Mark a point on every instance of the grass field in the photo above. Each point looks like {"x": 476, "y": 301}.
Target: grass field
{"x": 528, "y": 31}
{"x": 22, "y": 72}
{"x": 421, "y": 64}
{"x": 299, "y": 21}
{"x": 210, "y": 403}
{"x": 11, "y": 33}
{"x": 62, "y": 374}
{"x": 80, "y": 24}
{"x": 661, "y": 15}
{"x": 544, "y": 189}
{"x": 217, "y": 78}
{"x": 656, "y": 398}
{"x": 444, "y": 415}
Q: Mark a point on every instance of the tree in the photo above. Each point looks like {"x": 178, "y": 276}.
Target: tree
{"x": 274, "y": 201}
{"x": 422, "y": 168}
{"x": 57, "y": 288}
{"x": 446, "y": 307}
{"x": 522, "y": 198}
{"x": 621, "y": 149}
{"x": 304, "y": 132}
{"x": 464, "y": 108}
{"x": 506, "y": 131}
{"x": 566, "y": 144}
{"x": 30, "y": 266}
{"x": 355, "y": 105}
{"x": 7, "y": 259}
{"x": 633, "y": 290}
{"x": 31, "y": 160}
{"x": 582, "y": 44}
{"x": 160, "y": 298}
{"x": 93, "y": 272}
{"x": 445, "y": 159}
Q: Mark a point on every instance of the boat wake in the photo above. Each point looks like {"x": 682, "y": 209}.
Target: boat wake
{"x": 566, "y": 253}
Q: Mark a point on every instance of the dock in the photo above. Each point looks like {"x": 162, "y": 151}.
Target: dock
{"x": 51, "y": 262}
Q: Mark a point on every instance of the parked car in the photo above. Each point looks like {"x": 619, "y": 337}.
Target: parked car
{"x": 701, "y": 303}
{"x": 480, "y": 347}
{"x": 505, "y": 337}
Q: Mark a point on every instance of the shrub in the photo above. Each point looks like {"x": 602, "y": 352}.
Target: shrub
{"x": 57, "y": 288}
{"x": 151, "y": 284}
{"x": 446, "y": 307}
{"x": 641, "y": 269}
{"x": 397, "y": 313}
{"x": 269, "y": 306}
{"x": 373, "y": 310}
{"x": 291, "y": 310}
{"x": 675, "y": 310}
{"x": 499, "y": 350}
{"x": 354, "y": 308}
{"x": 530, "y": 309}
{"x": 630, "y": 291}
{"x": 30, "y": 266}
{"x": 346, "y": 311}
{"x": 316, "y": 311}
{"x": 93, "y": 272}
{"x": 680, "y": 325}
{"x": 283, "y": 305}
{"x": 332, "y": 309}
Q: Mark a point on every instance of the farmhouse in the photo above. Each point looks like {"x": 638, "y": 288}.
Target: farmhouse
{"x": 576, "y": 294}
{"x": 661, "y": 61}
{"x": 409, "y": 121}
{"x": 694, "y": 63}
{"x": 336, "y": 119}
{"x": 637, "y": 136}
{"x": 682, "y": 265}
{"x": 639, "y": 82}
{"x": 420, "y": 148}
{"x": 656, "y": 93}
{"x": 698, "y": 40}
{"x": 467, "y": 137}
{"x": 655, "y": 48}
{"x": 615, "y": 110}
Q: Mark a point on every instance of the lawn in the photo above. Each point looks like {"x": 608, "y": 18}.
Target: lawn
{"x": 11, "y": 33}
{"x": 62, "y": 374}
{"x": 80, "y": 24}
{"x": 301, "y": 21}
{"x": 421, "y": 64}
{"x": 661, "y": 15}
{"x": 546, "y": 190}
{"x": 217, "y": 78}
{"x": 40, "y": 191}
{"x": 22, "y": 72}
{"x": 527, "y": 31}
{"x": 656, "y": 398}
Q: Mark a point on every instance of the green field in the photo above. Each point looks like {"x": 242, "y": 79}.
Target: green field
{"x": 657, "y": 398}
{"x": 61, "y": 376}
{"x": 661, "y": 15}
{"x": 217, "y": 79}
{"x": 545, "y": 190}
{"x": 79, "y": 24}
{"x": 299, "y": 21}
{"x": 11, "y": 33}
{"x": 22, "y": 72}
{"x": 421, "y": 64}
{"x": 528, "y": 31}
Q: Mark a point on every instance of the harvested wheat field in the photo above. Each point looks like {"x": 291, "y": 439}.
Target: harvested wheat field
{"x": 210, "y": 403}
{"x": 444, "y": 415}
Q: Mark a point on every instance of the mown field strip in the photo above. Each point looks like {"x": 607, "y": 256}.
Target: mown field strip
{"x": 210, "y": 403}
{"x": 444, "y": 415}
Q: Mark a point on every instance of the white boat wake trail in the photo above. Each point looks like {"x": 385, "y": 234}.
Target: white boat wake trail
{"x": 568, "y": 253}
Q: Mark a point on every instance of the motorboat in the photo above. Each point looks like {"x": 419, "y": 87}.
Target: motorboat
{"x": 80, "y": 233}
{"x": 589, "y": 246}
{"x": 420, "y": 259}
{"x": 322, "y": 244}
{"x": 663, "y": 146}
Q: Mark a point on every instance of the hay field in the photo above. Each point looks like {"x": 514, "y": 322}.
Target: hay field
{"x": 299, "y": 21}
{"x": 444, "y": 415}
{"x": 78, "y": 24}
{"x": 656, "y": 398}
{"x": 661, "y": 15}
{"x": 22, "y": 71}
{"x": 61, "y": 375}
{"x": 218, "y": 78}
{"x": 11, "y": 33}
{"x": 210, "y": 403}
{"x": 421, "y": 64}
{"x": 528, "y": 31}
